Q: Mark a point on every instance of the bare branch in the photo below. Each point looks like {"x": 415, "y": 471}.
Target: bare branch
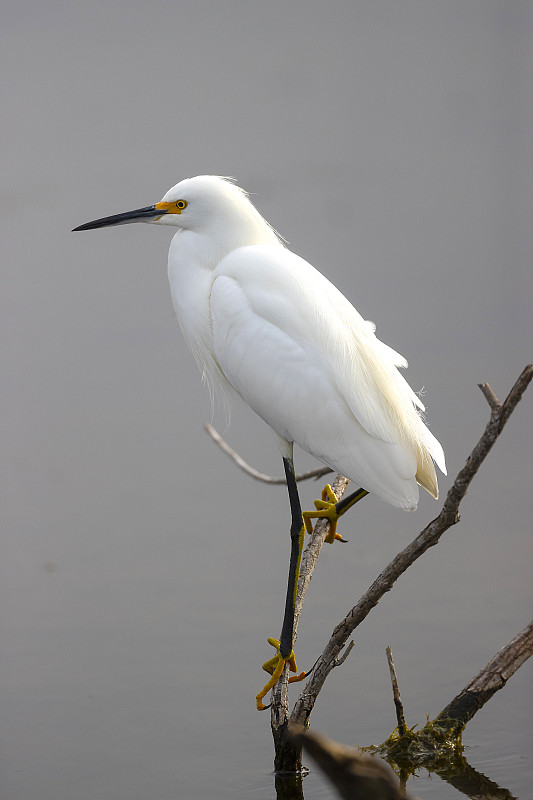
{"x": 481, "y": 688}
{"x": 349, "y": 647}
{"x": 279, "y": 714}
{"x": 427, "y": 538}
{"x": 313, "y": 548}
{"x": 438, "y": 746}
{"x": 490, "y": 397}
{"x": 253, "y": 473}
{"x": 402, "y": 727}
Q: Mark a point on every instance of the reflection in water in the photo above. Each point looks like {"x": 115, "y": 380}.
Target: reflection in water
{"x": 360, "y": 776}
{"x": 454, "y": 769}
{"x": 289, "y": 786}
{"x": 471, "y": 783}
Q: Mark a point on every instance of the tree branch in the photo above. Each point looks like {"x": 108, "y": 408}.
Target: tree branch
{"x": 279, "y": 714}
{"x": 487, "y": 682}
{"x": 490, "y": 397}
{"x": 400, "y": 717}
{"x": 438, "y": 746}
{"x": 288, "y": 752}
{"x": 253, "y": 473}
{"x": 429, "y": 537}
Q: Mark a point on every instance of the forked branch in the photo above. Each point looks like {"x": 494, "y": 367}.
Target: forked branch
{"x": 500, "y": 413}
{"x": 288, "y": 751}
{"x": 438, "y": 745}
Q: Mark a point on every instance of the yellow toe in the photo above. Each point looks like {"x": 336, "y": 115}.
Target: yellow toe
{"x": 274, "y": 666}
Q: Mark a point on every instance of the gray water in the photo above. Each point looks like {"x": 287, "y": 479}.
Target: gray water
{"x": 142, "y": 572}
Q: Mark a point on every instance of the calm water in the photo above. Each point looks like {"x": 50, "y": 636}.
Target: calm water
{"x": 121, "y": 664}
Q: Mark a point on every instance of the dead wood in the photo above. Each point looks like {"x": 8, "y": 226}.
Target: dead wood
{"x": 438, "y": 745}
{"x": 288, "y": 749}
{"x": 400, "y": 716}
{"x": 354, "y": 775}
{"x": 485, "y": 684}
{"x": 429, "y": 537}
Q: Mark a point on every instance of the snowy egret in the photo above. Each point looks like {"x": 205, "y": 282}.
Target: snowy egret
{"x": 263, "y": 323}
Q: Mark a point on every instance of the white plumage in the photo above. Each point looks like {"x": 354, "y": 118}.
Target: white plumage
{"x": 264, "y": 323}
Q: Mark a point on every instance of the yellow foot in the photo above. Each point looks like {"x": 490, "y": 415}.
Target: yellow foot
{"x": 325, "y": 509}
{"x": 274, "y": 666}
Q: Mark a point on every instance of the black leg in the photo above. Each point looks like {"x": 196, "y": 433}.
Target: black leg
{"x": 284, "y": 654}
{"x": 347, "y": 502}
{"x": 297, "y": 539}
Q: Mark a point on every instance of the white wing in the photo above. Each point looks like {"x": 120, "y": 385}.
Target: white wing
{"x": 304, "y": 359}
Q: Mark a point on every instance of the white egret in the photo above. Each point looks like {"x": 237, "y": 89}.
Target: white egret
{"x": 263, "y": 323}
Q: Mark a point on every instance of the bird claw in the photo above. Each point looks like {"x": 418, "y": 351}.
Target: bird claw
{"x": 274, "y": 666}
{"x": 326, "y": 508}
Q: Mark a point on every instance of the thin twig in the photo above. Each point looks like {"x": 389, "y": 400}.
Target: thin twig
{"x": 490, "y": 397}
{"x": 349, "y": 647}
{"x": 400, "y": 718}
{"x": 253, "y": 473}
{"x": 427, "y": 538}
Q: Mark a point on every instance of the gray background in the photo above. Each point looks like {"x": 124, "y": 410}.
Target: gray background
{"x": 390, "y": 143}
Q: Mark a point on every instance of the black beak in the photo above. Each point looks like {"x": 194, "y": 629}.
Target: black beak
{"x": 138, "y": 215}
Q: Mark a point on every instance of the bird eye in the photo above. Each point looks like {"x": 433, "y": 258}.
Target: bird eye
{"x": 181, "y": 204}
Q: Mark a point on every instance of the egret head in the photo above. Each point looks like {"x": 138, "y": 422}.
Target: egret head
{"x": 197, "y": 204}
